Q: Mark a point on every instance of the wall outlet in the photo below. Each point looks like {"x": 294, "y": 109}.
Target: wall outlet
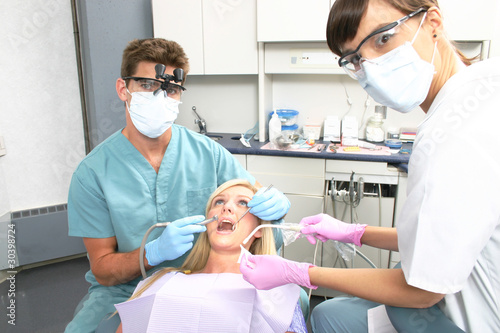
{"x": 3, "y": 150}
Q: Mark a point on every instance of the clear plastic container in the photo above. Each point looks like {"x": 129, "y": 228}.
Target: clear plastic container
{"x": 288, "y": 117}
{"x": 374, "y": 129}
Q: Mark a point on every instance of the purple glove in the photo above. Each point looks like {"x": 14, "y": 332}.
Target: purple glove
{"x": 271, "y": 271}
{"x": 325, "y": 227}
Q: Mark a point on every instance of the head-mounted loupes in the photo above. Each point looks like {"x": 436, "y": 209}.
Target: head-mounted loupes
{"x": 167, "y": 78}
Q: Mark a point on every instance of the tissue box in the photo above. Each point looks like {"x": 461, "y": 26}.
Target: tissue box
{"x": 332, "y": 129}
{"x": 349, "y": 131}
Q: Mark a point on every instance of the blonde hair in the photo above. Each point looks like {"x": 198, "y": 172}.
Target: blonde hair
{"x": 198, "y": 257}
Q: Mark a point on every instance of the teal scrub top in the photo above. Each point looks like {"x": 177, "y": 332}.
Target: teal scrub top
{"x": 116, "y": 192}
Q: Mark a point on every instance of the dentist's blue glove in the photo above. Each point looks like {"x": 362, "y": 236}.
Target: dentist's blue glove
{"x": 176, "y": 239}
{"x": 269, "y": 206}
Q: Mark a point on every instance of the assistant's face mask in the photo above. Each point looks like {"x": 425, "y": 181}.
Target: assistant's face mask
{"x": 151, "y": 114}
{"x": 399, "y": 79}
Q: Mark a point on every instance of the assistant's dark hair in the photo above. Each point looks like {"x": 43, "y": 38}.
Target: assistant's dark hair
{"x": 345, "y": 17}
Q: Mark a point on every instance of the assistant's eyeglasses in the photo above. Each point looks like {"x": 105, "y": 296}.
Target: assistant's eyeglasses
{"x": 379, "y": 42}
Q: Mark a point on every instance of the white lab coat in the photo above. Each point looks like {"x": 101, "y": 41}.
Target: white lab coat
{"x": 449, "y": 228}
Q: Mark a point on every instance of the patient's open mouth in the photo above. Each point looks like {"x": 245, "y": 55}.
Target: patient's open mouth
{"x": 226, "y": 225}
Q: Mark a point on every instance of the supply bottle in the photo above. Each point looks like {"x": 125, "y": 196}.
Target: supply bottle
{"x": 274, "y": 129}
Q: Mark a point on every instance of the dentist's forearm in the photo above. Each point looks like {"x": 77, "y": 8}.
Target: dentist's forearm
{"x": 110, "y": 267}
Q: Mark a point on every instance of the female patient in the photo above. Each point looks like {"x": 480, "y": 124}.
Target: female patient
{"x": 208, "y": 293}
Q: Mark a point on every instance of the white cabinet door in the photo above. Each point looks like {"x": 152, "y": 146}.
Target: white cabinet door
{"x": 242, "y": 159}
{"x": 465, "y": 20}
{"x": 291, "y": 175}
{"x": 181, "y": 21}
{"x": 230, "y": 37}
{"x": 292, "y": 20}
{"x": 218, "y": 36}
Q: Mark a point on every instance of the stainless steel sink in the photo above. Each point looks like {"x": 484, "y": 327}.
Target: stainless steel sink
{"x": 214, "y": 137}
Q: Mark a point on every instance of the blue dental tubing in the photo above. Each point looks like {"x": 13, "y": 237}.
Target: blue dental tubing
{"x": 160, "y": 225}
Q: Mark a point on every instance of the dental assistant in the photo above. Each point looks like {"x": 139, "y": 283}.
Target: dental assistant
{"x": 150, "y": 171}
{"x": 449, "y": 241}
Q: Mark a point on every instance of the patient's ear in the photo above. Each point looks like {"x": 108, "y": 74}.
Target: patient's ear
{"x": 258, "y": 233}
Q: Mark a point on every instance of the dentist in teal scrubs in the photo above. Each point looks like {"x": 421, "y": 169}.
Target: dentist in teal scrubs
{"x": 150, "y": 171}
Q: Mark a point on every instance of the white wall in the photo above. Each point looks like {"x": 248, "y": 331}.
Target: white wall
{"x": 228, "y": 103}
{"x": 319, "y": 96}
{"x": 40, "y": 114}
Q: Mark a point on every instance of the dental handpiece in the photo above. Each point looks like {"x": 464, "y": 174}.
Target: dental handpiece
{"x": 161, "y": 225}
{"x": 207, "y": 221}
{"x": 246, "y": 212}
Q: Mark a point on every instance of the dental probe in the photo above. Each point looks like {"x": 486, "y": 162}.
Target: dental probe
{"x": 245, "y": 213}
{"x": 159, "y": 225}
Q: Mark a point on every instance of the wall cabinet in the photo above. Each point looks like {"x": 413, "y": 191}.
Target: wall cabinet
{"x": 465, "y": 21}
{"x": 218, "y": 36}
{"x": 292, "y": 20}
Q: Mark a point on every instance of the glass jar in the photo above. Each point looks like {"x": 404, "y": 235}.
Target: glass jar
{"x": 374, "y": 128}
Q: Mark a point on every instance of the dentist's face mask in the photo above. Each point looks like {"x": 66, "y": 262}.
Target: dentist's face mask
{"x": 152, "y": 114}
{"x": 397, "y": 77}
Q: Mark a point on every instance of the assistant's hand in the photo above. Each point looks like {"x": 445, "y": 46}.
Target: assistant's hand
{"x": 271, "y": 271}
{"x": 325, "y": 227}
{"x": 176, "y": 239}
{"x": 271, "y": 205}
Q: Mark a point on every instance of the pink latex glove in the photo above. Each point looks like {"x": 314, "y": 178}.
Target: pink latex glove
{"x": 270, "y": 271}
{"x": 325, "y": 227}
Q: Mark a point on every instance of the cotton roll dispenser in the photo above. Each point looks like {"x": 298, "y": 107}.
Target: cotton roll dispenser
{"x": 374, "y": 128}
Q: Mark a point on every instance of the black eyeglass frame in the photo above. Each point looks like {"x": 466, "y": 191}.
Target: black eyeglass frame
{"x": 342, "y": 62}
{"x": 137, "y": 78}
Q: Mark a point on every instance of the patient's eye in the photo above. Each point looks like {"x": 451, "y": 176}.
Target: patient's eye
{"x": 243, "y": 203}
{"x": 218, "y": 202}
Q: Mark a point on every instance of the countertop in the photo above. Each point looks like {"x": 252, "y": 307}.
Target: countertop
{"x": 231, "y": 142}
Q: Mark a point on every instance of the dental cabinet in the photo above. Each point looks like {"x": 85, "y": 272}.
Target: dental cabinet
{"x": 274, "y": 26}
{"x": 217, "y": 35}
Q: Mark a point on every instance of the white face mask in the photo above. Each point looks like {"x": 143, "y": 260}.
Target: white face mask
{"x": 151, "y": 114}
{"x": 399, "y": 79}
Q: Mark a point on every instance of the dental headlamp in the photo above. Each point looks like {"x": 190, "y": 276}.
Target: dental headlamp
{"x": 167, "y": 78}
